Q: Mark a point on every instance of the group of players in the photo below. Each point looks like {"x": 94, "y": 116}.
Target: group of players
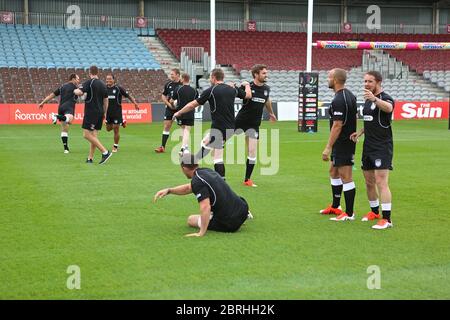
{"x": 220, "y": 208}
{"x": 377, "y": 151}
{"x": 102, "y": 101}
{"x": 221, "y": 98}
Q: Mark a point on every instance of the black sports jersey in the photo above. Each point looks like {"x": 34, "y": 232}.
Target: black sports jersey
{"x": 221, "y": 102}
{"x": 96, "y": 91}
{"x": 207, "y": 183}
{"x": 377, "y": 126}
{"x": 185, "y": 94}
{"x": 344, "y": 108}
{"x": 252, "y": 109}
{"x": 170, "y": 87}
{"x": 115, "y": 94}
{"x": 68, "y": 98}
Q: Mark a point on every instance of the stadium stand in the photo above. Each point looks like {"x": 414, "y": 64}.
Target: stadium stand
{"x": 23, "y": 85}
{"x": 280, "y": 50}
{"x": 34, "y": 60}
{"x": 35, "y": 46}
{"x": 284, "y": 53}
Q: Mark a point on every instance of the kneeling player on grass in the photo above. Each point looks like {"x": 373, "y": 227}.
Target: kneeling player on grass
{"x": 249, "y": 117}
{"x": 220, "y": 208}
{"x": 114, "y": 115}
{"x": 66, "y": 108}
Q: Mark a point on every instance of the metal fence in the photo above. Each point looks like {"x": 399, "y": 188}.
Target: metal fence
{"x": 55, "y": 19}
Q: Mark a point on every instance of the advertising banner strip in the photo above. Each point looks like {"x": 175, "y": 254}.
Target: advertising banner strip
{"x": 382, "y": 45}
{"x": 31, "y": 114}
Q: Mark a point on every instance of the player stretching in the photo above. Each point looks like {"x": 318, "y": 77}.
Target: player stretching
{"x": 221, "y": 102}
{"x": 66, "y": 108}
{"x": 171, "y": 86}
{"x": 249, "y": 117}
{"x": 183, "y": 95}
{"x": 114, "y": 114}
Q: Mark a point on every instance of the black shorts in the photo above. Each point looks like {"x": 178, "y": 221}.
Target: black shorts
{"x": 168, "y": 115}
{"x": 373, "y": 161}
{"x": 114, "y": 117}
{"x": 185, "y": 122}
{"x": 218, "y": 137}
{"x": 230, "y": 222}
{"x": 92, "y": 121}
{"x": 66, "y": 109}
{"x": 250, "y": 131}
{"x": 341, "y": 160}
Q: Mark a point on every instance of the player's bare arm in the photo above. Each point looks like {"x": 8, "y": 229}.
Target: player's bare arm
{"x": 78, "y": 92}
{"x": 131, "y": 98}
{"x": 47, "y": 99}
{"x": 334, "y": 134}
{"x": 355, "y": 135}
{"x": 105, "y": 105}
{"x": 248, "y": 90}
{"x": 383, "y": 105}
{"x": 166, "y": 102}
{"x": 269, "y": 109}
{"x": 205, "y": 217}
{"x": 179, "y": 190}
{"x": 189, "y": 107}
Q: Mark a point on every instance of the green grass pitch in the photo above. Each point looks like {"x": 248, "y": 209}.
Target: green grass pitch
{"x": 57, "y": 211}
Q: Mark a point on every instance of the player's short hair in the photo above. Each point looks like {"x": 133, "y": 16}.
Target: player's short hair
{"x": 188, "y": 161}
{"x": 72, "y": 76}
{"x": 378, "y": 77}
{"x": 176, "y": 70}
{"x": 340, "y": 75}
{"x": 186, "y": 77}
{"x": 112, "y": 76}
{"x": 218, "y": 74}
{"x": 257, "y": 68}
{"x": 93, "y": 70}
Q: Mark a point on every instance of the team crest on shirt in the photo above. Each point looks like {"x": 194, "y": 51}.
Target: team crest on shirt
{"x": 373, "y": 106}
{"x": 378, "y": 163}
{"x": 265, "y": 93}
{"x": 114, "y": 91}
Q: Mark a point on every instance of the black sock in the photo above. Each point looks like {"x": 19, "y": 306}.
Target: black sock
{"x": 164, "y": 139}
{"x": 375, "y": 209}
{"x": 201, "y": 154}
{"x": 220, "y": 168}
{"x": 249, "y": 168}
{"x": 349, "y": 195}
{"x": 61, "y": 117}
{"x": 65, "y": 141}
{"x": 337, "y": 191}
{"x": 386, "y": 210}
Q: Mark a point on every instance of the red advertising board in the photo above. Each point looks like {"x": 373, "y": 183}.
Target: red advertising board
{"x": 421, "y": 110}
{"x": 31, "y": 114}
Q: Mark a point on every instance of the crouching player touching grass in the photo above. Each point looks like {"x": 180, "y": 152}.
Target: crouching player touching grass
{"x": 220, "y": 208}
